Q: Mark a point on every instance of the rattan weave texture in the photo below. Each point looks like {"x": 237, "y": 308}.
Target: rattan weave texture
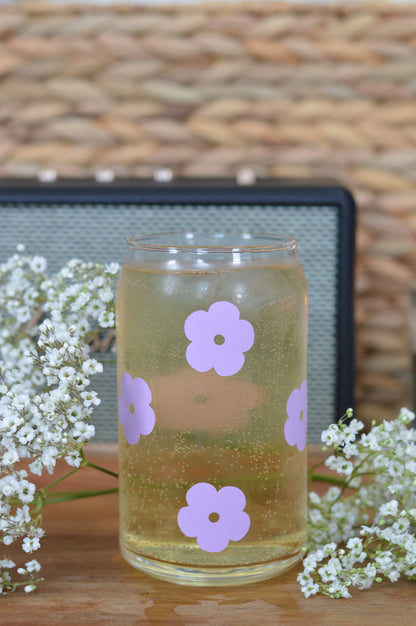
{"x": 290, "y": 90}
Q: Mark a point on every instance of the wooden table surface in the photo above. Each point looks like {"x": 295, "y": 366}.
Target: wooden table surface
{"x": 88, "y": 582}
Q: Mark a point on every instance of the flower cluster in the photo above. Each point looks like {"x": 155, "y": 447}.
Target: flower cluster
{"x": 47, "y": 326}
{"x": 362, "y": 530}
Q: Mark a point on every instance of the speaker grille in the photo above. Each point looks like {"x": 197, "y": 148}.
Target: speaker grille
{"x": 97, "y": 232}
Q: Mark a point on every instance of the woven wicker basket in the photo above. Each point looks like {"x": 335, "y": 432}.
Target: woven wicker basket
{"x": 207, "y": 89}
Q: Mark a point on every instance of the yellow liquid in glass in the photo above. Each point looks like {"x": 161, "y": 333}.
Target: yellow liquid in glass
{"x": 223, "y": 430}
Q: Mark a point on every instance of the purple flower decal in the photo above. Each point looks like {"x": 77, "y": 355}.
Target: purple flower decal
{"x": 297, "y": 410}
{"x": 218, "y": 338}
{"x": 214, "y": 517}
{"x": 135, "y": 414}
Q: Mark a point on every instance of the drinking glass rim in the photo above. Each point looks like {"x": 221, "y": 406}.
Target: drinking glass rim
{"x": 275, "y": 242}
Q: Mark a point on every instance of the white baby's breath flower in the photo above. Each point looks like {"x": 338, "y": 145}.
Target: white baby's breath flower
{"x": 92, "y": 366}
{"x": 331, "y": 435}
{"x": 308, "y": 586}
{"x": 22, "y": 515}
{"x": 401, "y": 525}
{"x": 106, "y": 319}
{"x": 406, "y": 415}
{"x": 389, "y": 508}
{"x": 355, "y": 543}
{"x": 379, "y": 506}
{"x": 393, "y": 575}
{"x": 349, "y": 450}
{"x": 74, "y": 459}
{"x": 90, "y": 398}
{"x": 106, "y": 295}
{"x": 36, "y": 467}
{"x": 9, "y": 457}
{"x": 112, "y": 268}
{"x": 8, "y": 539}
{"x": 368, "y": 577}
{"x": 315, "y": 516}
{"x": 81, "y": 382}
{"x": 329, "y": 572}
{"x": 49, "y": 457}
{"x": 95, "y": 308}
{"x": 38, "y": 264}
{"x": 338, "y": 589}
{"x": 314, "y": 498}
{"x": 67, "y": 373}
{"x": 75, "y": 413}
{"x": 339, "y": 465}
{"x": 10, "y": 423}
{"x": 26, "y": 434}
{"x": 411, "y": 466}
{"x": 82, "y": 431}
{"x": 33, "y": 566}
{"x": 355, "y": 426}
{"x": 26, "y": 491}
{"x": 30, "y": 544}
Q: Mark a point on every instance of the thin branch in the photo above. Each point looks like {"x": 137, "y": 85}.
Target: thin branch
{"x": 66, "y": 496}
{"x": 58, "y": 480}
{"x": 325, "y": 478}
{"x": 100, "y": 469}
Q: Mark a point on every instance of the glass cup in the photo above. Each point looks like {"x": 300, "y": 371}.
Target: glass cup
{"x": 211, "y": 359}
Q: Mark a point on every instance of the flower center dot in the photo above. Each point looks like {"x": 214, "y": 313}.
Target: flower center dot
{"x": 219, "y": 339}
{"x": 214, "y": 516}
{"x": 131, "y": 408}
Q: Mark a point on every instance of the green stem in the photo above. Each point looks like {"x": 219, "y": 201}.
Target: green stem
{"x": 324, "y": 478}
{"x": 353, "y": 475}
{"x": 100, "y": 469}
{"x": 58, "y": 480}
{"x": 39, "y": 503}
{"x": 66, "y": 496}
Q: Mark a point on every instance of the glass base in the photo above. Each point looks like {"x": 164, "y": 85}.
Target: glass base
{"x": 208, "y": 576}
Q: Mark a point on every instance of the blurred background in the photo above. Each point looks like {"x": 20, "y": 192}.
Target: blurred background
{"x": 286, "y": 89}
